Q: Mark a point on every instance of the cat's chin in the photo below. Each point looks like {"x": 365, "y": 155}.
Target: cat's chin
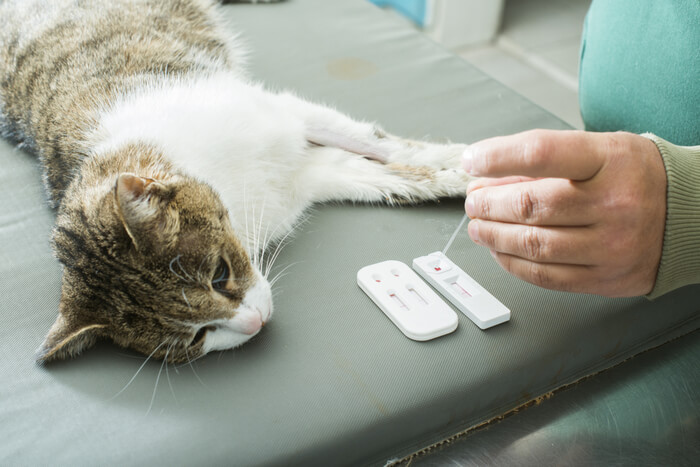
{"x": 224, "y": 338}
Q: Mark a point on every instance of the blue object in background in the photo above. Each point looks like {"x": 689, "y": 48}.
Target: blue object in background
{"x": 416, "y": 10}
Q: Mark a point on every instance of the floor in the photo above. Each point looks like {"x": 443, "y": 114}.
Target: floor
{"x": 537, "y": 53}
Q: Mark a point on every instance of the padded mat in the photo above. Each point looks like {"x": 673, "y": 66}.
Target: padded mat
{"x": 330, "y": 381}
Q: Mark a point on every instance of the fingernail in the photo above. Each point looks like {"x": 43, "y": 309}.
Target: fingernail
{"x": 470, "y": 207}
{"x": 473, "y": 230}
{"x": 467, "y": 157}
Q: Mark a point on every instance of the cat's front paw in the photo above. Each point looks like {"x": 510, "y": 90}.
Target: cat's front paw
{"x": 435, "y": 156}
{"x": 426, "y": 183}
{"x": 446, "y": 156}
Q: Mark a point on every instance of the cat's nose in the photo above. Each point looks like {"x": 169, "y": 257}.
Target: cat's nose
{"x": 252, "y": 324}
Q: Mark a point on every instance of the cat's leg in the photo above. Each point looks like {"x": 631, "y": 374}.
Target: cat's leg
{"x": 334, "y": 174}
{"x": 327, "y": 127}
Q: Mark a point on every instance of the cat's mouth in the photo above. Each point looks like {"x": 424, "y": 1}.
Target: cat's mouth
{"x": 231, "y": 333}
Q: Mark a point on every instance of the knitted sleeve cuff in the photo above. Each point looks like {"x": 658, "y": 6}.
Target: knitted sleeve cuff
{"x": 680, "y": 258}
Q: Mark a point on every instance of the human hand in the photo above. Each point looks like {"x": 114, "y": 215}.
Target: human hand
{"x": 570, "y": 210}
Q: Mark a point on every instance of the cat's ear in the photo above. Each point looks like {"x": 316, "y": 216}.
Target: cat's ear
{"x": 67, "y": 339}
{"x": 142, "y": 207}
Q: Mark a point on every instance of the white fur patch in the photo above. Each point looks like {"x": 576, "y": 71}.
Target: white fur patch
{"x": 250, "y": 317}
{"x": 225, "y": 131}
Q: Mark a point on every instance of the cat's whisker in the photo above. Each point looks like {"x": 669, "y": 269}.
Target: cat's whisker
{"x": 273, "y": 257}
{"x": 133, "y": 357}
{"x": 260, "y": 239}
{"x": 261, "y": 244}
{"x": 261, "y": 266}
{"x": 282, "y": 243}
{"x": 167, "y": 373}
{"x": 137, "y": 371}
{"x": 276, "y": 279}
{"x": 268, "y": 236}
{"x": 245, "y": 215}
{"x": 244, "y": 281}
{"x": 284, "y": 269}
{"x": 178, "y": 322}
{"x": 255, "y": 239}
{"x": 189, "y": 362}
{"x": 279, "y": 275}
{"x": 199, "y": 270}
{"x": 271, "y": 261}
{"x": 155, "y": 388}
{"x": 278, "y": 249}
{"x": 172, "y": 269}
{"x": 179, "y": 264}
{"x": 185, "y": 297}
{"x": 256, "y": 236}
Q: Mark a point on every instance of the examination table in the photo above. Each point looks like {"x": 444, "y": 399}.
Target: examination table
{"x": 330, "y": 380}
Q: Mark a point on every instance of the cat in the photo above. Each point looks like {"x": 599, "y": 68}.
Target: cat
{"x": 172, "y": 170}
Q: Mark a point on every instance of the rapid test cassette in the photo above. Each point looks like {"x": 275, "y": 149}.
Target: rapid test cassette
{"x": 407, "y": 301}
{"x": 463, "y": 291}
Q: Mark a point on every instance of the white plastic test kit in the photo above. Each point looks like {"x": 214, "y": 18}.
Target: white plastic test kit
{"x": 463, "y": 291}
{"x": 408, "y": 301}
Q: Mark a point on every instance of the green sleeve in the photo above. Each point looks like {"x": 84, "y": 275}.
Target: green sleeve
{"x": 680, "y": 258}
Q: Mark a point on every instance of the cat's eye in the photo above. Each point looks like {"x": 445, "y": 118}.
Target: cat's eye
{"x": 222, "y": 277}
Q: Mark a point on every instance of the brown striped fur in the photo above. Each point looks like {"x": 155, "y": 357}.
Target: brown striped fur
{"x": 55, "y": 79}
{"x": 142, "y": 280}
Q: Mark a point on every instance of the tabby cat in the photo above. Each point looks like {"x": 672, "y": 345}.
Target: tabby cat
{"x": 164, "y": 158}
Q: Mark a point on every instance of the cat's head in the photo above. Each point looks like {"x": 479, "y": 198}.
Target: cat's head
{"x": 154, "y": 265}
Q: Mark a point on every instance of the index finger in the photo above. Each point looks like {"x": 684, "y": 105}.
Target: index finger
{"x": 483, "y": 182}
{"x": 576, "y": 155}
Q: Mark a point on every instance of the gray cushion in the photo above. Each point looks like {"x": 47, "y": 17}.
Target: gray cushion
{"x": 330, "y": 380}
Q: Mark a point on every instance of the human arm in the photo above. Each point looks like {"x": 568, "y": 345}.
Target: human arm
{"x": 680, "y": 259}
